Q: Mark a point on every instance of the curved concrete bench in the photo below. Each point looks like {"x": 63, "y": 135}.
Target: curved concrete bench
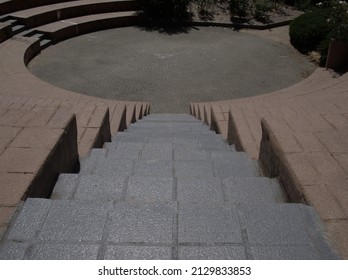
{"x": 8, "y": 6}
{"x": 55, "y": 12}
{"x": 65, "y": 29}
{"x": 299, "y": 135}
{"x": 44, "y": 129}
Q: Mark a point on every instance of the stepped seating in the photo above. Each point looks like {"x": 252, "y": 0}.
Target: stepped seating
{"x": 62, "y": 11}
{"x": 297, "y": 134}
{"x": 61, "y": 30}
{"x": 61, "y": 125}
{"x": 8, "y": 6}
{"x": 166, "y": 188}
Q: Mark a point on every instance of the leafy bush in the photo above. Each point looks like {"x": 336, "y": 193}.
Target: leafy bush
{"x": 166, "y": 9}
{"x": 262, "y": 8}
{"x": 309, "y": 30}
{"x": 338, "y": 21}
{"x": 240, "y": 8}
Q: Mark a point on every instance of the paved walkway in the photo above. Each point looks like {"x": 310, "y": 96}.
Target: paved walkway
{"x": 167, "y": 188}
{"x": 171, "y": 69}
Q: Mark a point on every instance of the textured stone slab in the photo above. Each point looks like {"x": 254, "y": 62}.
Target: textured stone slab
{"x": 65, "y": 187}
{"x": 225, "y": 168}
{"x": 155, "y": 168}
{"x": 30, "y": 220}
{"x": 232, "y": 252}
{"x": 170, "y": 118}
{"x": 114, "y": 252}
{"x": 125, "y": 151}
{"x": 278, "y": 224}
{"x": 199, "y": 190}
{"x": 87, "y": 164}
{"x": 209, "y": 224}
{"x": 75, "y": 221}
{"x": 13, "y": 250}
{"x": 189, "y": 154}
{"x": 113, "y": 167}
{"x": 64, "y": 252}
{"x": 149, "y": 223}
{"x": 295, "y": 252}
{"x": 253, "y": 190}
{"x": 158, "y": 151}
{"x": 94, "y": 187}
{"x": 193, "y": 169}
{"x": 129, "y": 138}
{"x": 150, "y": 189}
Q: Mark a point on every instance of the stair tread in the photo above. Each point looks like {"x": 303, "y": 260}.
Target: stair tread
{"x": 83, "y": 223}
{"x": 166, "y": 188}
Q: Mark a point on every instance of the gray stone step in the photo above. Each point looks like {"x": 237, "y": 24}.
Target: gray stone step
{"x": 70, "y": 229}
{"x": 169, "y": 118}
{"x": 253, "y": 190}
{"x": 243, "y": 190}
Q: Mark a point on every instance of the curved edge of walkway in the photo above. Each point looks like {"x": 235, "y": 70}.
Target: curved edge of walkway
{"x": 299, "y": 135}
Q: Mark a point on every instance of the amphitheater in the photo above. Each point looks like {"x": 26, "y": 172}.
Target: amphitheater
{"x": 83, "y": 177}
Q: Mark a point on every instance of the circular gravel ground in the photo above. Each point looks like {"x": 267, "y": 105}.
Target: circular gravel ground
{"x": 171, "y": 69}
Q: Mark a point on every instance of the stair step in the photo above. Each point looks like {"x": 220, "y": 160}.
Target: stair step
{"x": 16, "y": 29}
{"x": 277, "y": 231}
{"x": 169, "y": 118}
{"x": 45, "y": 43}
{"x": 5, "y": 18}
{"x": 253, "y": 190}
{"x": 166, "y": 188}
{"x": 28, "y": 33}
{"x": 87, "y": 164}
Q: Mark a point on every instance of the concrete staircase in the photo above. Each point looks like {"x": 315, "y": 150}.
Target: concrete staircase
{"x": 166, "y": 188}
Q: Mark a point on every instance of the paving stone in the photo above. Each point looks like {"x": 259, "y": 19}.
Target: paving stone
{"x": 128, "y": 138}
{"x": 13, "y": 187}
{"x": 160, "y": 168}
{"x": 199, "y": 190}
{"x": 157, "y": 151}
{"x": 94, "y": 187}
{"x": 232, "y": 168}
{"x": 189, "y": 154}
{"x": 150, "y": 189}
{"x": 278, "y": 224}
{"x": 65, "y": 187}
{"x": 87, "y": 164}
{"x": 112, "y": 146}
{"x": 30, "y": 220}
{"x": 111, "y": 167}
{"x": 64, "y": 252}
{"x": 232, "y": 252}
{"x": 294, "y": 252}
{"x": 75, "y": 221}
{"x": 253, "y": 190}
{"x": 123, "y": 152}
{"x": 170, "y": 118}
{"x": 114, "y": 252}
{"x": 208, "y": 224}
{"x": 149, "y": 223}
{"x": 193, "y": 169}
{"x": 13, "y": 250}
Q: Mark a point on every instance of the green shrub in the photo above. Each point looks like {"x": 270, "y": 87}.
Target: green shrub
{"x": 262, "y": 8}
{"x": 166, "y": 9}
{"x": 309, "y": 30}
{"x": 338, "y": 21}
{"x": 240, "y": 8}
